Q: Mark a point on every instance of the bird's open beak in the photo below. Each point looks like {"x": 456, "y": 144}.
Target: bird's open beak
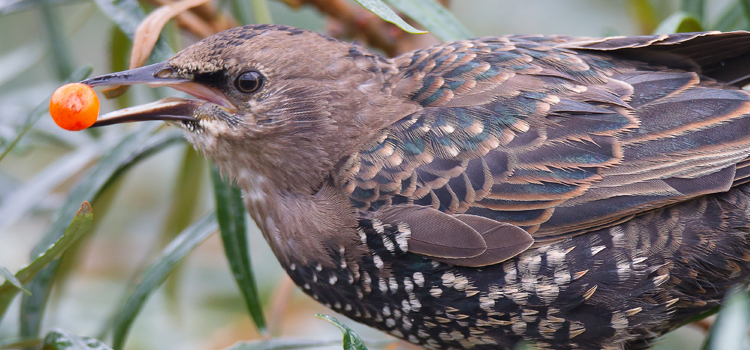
{"x": 174, "y": 109}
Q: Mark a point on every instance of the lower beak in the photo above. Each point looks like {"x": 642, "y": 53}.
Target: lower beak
{"x": 173, "y": 108}
{"x": 168, "y": 109}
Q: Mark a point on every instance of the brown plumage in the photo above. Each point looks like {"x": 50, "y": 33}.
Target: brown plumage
{"x": 568, "y": 192}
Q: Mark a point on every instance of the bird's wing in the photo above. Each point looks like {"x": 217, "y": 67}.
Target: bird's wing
{"x": 559, "y": 135}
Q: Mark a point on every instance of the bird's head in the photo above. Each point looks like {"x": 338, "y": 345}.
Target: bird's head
{"x": 271, "y": 102}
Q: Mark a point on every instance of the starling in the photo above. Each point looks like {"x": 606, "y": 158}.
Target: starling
{"x": 565, "y": 192}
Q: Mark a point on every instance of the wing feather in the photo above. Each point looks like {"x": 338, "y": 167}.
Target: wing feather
{"x": 561, "y": 135}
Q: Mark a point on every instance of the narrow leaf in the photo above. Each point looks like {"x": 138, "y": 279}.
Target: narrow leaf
{"x": 745, "y": 8}
{"x": 734, "y": 17}
{"x": 729, "y": 332}
{"x": 351, "y": 341}
{"x": 58, "y": 41}
{"x": 24, "y": 198}
{"x": 645, "y": 14}
{"x": 133, "y": 148}
{"x": 76, "y": 253}
{"x": 382, "y": 10}
{"x": 261, "y": 11}
{"x": 58, "y": 339}
{"x": 14, "y": 63}
{"x": 17, "y": 343}
{"x": 184, "y": 203}
{"x": 10, "y": 6}
{"x": 157, "y": 272}
{"x": 10, "y": 277}
{"x": 694, "y": 8}
{"x": 81, "y": 223}
{"x": 230, "y": 212}
{"x": 433, "y": 17}
{"x": 127, "y": 14}
{"x": 119, "y": 53}
{"x": 242, "y": 11}
{"x": 678, "y": 22}
{"x": 42, "y": 109}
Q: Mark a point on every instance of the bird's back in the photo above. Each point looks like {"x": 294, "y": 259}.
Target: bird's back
{"x": 557, "y": 139}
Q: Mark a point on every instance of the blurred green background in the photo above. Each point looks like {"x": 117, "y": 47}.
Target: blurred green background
{"x": 199, "y": 307}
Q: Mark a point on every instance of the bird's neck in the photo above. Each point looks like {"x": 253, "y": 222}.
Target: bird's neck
{"x": 300, "y": 227}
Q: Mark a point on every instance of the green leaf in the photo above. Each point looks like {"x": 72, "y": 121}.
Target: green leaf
{"x": 58, "y": 339}
{"x": 184, "y": 203}
{"x": 42, "y": 108}
{"x": 133, "y": 148}
{"x": 433, "y": 17}
{"x": 10, "y": 6}
{"x": 352, "y": 341}
{"x": 261, "y": 11}
{"x": 251, "y": 11}
{"x": 25, "y": 197}
{"x": 119, "y": 52}
{"x": 18, "y": 61}
{"x": 729, "y": 332}
{"x": 732, "y": 18}
{"x": 13, "y": 344}
{"x": 678, "y": 22}
{"x": 282, "y": 344}
{"x": 645, "y": 14}
{"x": 242, "y": 11}
{"x": 694, "y": 8}
{"x": 230, "y": 212}
{"x": 157, "y": 272}
{"x": 127, "y": 14}
{"x": 71, "y": 259}
{"x": 382, "y": 10}
{"x": 10, "y": 277}
{"x": 58, "y": 41}
{"x": 745, "y": 4}
{"x": 81, "y": 223}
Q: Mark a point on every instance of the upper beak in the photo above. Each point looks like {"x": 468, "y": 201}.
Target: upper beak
{"x": 159, "y": 74}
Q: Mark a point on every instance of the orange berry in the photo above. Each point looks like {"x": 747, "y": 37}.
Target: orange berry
{"x": 74, "y": 106}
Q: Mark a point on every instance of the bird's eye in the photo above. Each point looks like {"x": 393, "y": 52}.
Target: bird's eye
{"x": 249, "y": 82}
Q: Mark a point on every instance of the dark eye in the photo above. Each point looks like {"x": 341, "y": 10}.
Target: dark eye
{"x": 249, "y": 82}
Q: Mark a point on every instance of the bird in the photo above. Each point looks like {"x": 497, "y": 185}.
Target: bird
{"x": 561, "y": 192}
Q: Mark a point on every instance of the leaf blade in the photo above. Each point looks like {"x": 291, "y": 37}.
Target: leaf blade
{"x": 729, "y": 331}
{"x": 678, "y": 22}
{"x": 380, "y": 9}
{"x": 694, "y": 8}
{"x": 79, "y": 226}
{"x": 230, "y": 213}
{"x": 58, "y": 339}
{"x": 351, "y": 340}
{"x": 158, "y": 272}
{"x": 11, "y": 278}
{"x": 132, "y": 148}
{"x": 127, "y": 14}
{"x": 433, "y": 17}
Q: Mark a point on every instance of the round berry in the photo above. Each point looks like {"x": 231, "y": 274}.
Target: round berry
{"x": 74, "y": 106}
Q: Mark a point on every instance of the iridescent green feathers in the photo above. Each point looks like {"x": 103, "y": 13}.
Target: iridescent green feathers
{"x": 561, "y": 135}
